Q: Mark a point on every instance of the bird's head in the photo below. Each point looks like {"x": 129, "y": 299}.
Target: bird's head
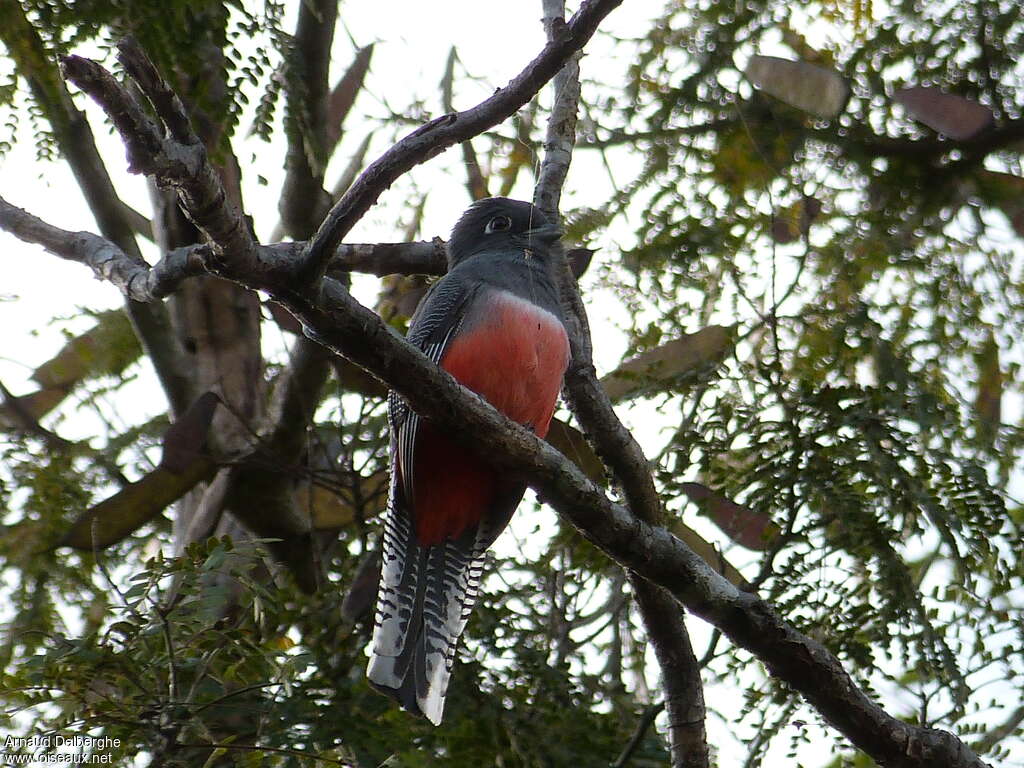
{"x": 498, "y": 223}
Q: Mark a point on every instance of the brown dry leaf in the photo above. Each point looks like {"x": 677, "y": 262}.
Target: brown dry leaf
{"x": 743, "y": 525}
{"x": 813, "y": 89}
{"x": 946, "y": 113}
{"x": 656, "y": 369}
{"x": 184, "y": 439}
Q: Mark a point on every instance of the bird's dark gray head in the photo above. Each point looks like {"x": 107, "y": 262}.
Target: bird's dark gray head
{"x": 498, "y": 223}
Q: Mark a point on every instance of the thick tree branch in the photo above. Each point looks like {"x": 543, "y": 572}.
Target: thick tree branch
{"x": 303, "y": 197}
{"x": 338, "y": 321}
{"x": 439, "y": 134}
{"x": 419, "y": 258}
{"x": 680, "y": 673}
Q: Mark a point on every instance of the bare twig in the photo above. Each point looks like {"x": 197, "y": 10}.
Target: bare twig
{"x": 643, "y": 725}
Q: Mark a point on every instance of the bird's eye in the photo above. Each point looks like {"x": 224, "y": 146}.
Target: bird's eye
{"x": 498, "y": 224}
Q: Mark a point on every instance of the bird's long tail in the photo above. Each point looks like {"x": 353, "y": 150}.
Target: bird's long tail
{"x": 426, "y": 595}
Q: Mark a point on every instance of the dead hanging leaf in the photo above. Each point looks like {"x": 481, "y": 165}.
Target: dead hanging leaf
{"x": 184, "y": 440}
{"x": 579, "y": 260}
{"x": 810, "y": 88}
{"x": 743, "y": 525}
{"x": 988, "y": 404}
{"x": 657, "y": 369}
{"x": 133, "y": 506}
{"x": 362, "y": 590}
{"x": 946, "y": 113}
{"x": 340, "y": 102}
{"x": 1005, "y": 192}
{"x": 571, "y": 443}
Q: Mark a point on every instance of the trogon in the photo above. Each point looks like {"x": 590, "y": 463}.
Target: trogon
{"x": 494, "y": 322}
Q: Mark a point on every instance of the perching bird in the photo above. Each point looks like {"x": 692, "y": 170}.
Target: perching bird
{"x": 494, "y": 322}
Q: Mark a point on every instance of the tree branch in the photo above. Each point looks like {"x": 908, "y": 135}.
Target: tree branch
{"x": 437, "y": 135}
{"x": 134, "y": 278}
{"x": 589, "y": 401}
{"x": 646, "y": 721}
{"x": 114, "y": 219}
{"x": 680, "y": 673}
{"x": 178, "y": 161}
{"x": 560, "y": 137}
{"x": 303, "y": 197}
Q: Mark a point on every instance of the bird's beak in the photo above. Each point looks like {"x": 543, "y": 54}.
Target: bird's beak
{"x": 546, "y": 235}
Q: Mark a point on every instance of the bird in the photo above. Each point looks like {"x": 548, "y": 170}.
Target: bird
{"x": 495, "y": 323}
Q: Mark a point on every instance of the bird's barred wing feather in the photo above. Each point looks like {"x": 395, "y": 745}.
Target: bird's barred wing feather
{"x": 426, "y": 592}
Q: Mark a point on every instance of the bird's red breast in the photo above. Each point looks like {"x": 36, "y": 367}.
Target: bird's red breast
{"x": 514, "y": 355}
